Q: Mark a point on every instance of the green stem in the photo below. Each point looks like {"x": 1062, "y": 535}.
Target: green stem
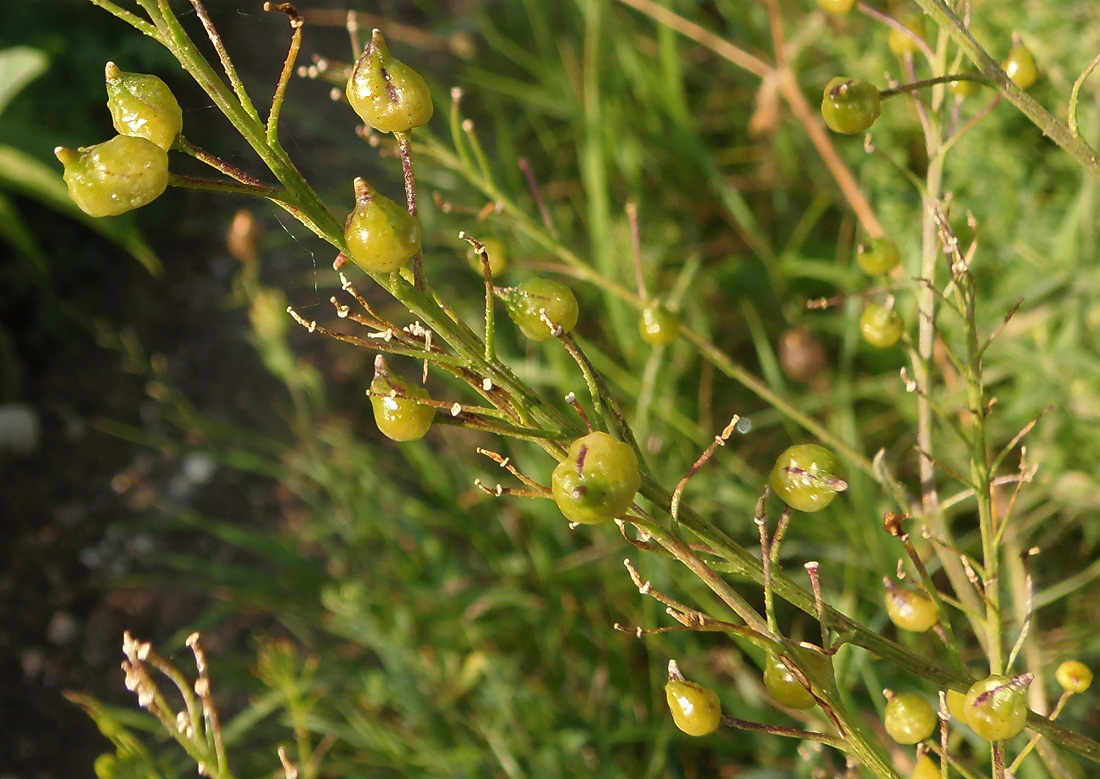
{"x": 930, "y": 82}
{"x": 1075, "y": 94}
{"x": 981, "y": 479}
{"x": 1062, "y": 135}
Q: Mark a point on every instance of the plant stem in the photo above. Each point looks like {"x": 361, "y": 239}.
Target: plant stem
{"x": 913, "y": 86}
{"x": 943, "y": 16}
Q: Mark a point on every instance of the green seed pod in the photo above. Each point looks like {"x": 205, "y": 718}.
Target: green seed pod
{"x": 381, "y": 235}
{"x": 1020, "y": 66}
{"x": 387, "y": 94}
{"x": 963, "y": 90}
{"x": 143, "y": 106}
{"x": 996, "y": 707}
{"x": 1074, "y": 676}
{"x": 909, "y": 610}
{"x": 878, "y": 256}
{"x": 115, "y": 176}
{"x": 597, "y": 480}
{"x": 902, "y": 44}
{"x": 837, "y": 7}
{"x": 881, "y": 325}
{"x": 784, "y": 686}
{"x": 956, "y": 704}
{"x": 695, "y": 709}
{"x": 850, "y": 106}
{"x": 926, "y": 768}
{"x": 909, "y": 718}
{"x": 542, "y": 308}
{"x": 396, "y": 412}
{"x": 807, "y": 477}
{"x": 658, "y": 325}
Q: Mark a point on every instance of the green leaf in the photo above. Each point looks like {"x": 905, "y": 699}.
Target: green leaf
{"x": 26, "y": 175}
{"x": 15, "y": 231}
{"x": 19, "y": 66}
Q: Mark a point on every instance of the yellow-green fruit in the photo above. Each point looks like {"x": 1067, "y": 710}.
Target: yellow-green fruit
{"x": 658, "y": 325}
{"x": 964, "y": 89}
{"x": 387, "y": 94}
{"x": 850, "y": 106}
{"x": 381, "y": 235}
{"x": 996, "y": 707}
{"x": 909, "y": 610}
{"x": 1074, "y": 676}
{"x": 542, "y": 308}
{"x": 396, "y": 412}
{"x": 807, "y": 477}
{"x": 143, "y": 106}
{"x": 956, "y": 704}
{"x": 495, "y": 250}
{"x": 878, "y": 256}
{"x": 784, "y": 686}
{"x": 695, "y": 709}
{"x": 901, "y": 43}
{"x": 881, "y": 326}
{"x": 926, "y": 769}
{"x": 909, "y": 718}
{"x": 597, "y": 480}
{"x": 1020, "y": 66}
{"x": 838, "y": 7}
{"x": 115, "y": 176}
{"x": 106, "y": 767}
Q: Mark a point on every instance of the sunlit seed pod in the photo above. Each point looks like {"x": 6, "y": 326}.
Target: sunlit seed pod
{"x": 909, "y": 610}
{"x": 115, "y": 176}
{"x": 878, "y": 256}
{"x": 658, "y": 325}
{"x": 398, "y": 416}
{"x": 1020, "y": 66}
{"x": 956, "y": 705}
{"x": 964, "y": 88}
{"x": 542, "y": 308}
{"x": 143, "y": 106}
{"x": 850, "y": 106}
{"x": 881, "y": 326}
{"x": 926, "y": 768}
{"x": 807, "y": 477}
{"x": 381, "y": 236}
{"x": 386, "y": 93}
{"x": 597, "y": 480}
{"x": 1074, "y": 676}
{"x": 902, "y": 43}
{"x": 996, "y": 707}
{"x": 837, "y": 7}
{"x": 784, "y": 686}
{"x": 909, "y": 718}
{"x": 695, "y": 709}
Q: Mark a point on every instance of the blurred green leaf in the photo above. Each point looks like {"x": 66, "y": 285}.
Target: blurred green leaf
{"x": 19, "y": 66}
{"x": 15, "y": 231}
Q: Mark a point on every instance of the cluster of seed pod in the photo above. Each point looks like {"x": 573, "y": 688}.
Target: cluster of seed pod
{"x": 131, "y": 169}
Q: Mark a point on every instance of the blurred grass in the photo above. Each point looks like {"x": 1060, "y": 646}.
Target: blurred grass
{"x": 456, "y": 635}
